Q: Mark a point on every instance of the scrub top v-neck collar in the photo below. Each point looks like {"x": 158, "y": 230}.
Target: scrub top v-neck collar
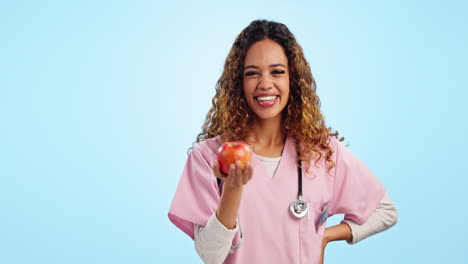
{"x": 287, "y": 155}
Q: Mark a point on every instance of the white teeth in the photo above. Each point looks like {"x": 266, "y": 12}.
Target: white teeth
{"x": 266, "y": 98}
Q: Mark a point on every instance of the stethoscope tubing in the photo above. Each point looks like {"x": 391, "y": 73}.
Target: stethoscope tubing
{"x": 299, "y": 208}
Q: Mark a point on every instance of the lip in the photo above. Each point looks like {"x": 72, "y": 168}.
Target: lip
{"x": 266, "y": 94}
{"x": 266, "y": 104}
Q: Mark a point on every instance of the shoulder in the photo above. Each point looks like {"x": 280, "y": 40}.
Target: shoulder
{"x": 340, "y": 150}
{"x": 334, "y": 143}
{"x": 208, "y": 147}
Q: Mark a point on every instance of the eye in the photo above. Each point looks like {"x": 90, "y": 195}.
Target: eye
{"x": 278, "y": 72}
{"x": 251, "y": 73}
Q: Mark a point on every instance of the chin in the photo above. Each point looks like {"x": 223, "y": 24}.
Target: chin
{"x": 265, "y": 116}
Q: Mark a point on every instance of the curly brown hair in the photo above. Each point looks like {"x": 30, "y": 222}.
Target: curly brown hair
{"x": 232, "y": 119}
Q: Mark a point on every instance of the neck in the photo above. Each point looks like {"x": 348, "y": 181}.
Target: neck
{"x": 267, "y": 132}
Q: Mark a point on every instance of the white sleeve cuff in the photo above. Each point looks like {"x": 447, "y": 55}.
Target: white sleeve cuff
{"x": 213, "y": 241}
{"x": 216, "y": 227}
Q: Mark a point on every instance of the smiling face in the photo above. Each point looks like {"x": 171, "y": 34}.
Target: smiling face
{"x": 266, "y": 79}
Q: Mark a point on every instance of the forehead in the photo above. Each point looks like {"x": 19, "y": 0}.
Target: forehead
{"x": 265, "y": 52}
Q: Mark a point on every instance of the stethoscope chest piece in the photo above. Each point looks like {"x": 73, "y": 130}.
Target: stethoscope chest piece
{"x": 299, "y": 208}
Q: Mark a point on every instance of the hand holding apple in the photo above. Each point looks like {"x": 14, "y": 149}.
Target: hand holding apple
{"x": 233, "y": 166}
{"x": 232, "y": 151}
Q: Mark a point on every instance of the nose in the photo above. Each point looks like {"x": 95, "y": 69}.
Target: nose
{"x": 265, "y": 83}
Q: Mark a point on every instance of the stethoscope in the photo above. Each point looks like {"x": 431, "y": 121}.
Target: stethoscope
{"x": 299, "y": 208}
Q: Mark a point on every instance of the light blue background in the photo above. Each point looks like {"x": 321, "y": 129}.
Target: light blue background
{"x": 100, "y": 101}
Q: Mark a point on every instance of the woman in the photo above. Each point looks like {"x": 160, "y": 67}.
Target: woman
{"x": 266, "y": 97}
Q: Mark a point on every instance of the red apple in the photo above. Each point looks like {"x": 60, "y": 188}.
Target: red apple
{"x": 231, "y": 151}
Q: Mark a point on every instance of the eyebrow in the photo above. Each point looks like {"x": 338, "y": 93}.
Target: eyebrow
{"x": 256, "y": 67}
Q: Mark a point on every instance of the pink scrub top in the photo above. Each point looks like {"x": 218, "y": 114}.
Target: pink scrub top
{"x": 271, "y": 234}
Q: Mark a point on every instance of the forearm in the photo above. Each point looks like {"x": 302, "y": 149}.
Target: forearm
{"x": 229, "y": 206}
{"x": 337, "y": 232}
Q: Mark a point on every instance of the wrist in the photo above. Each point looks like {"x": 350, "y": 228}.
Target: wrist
{"x": 326, "y": 236}
{"x": 232, "y": 189}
